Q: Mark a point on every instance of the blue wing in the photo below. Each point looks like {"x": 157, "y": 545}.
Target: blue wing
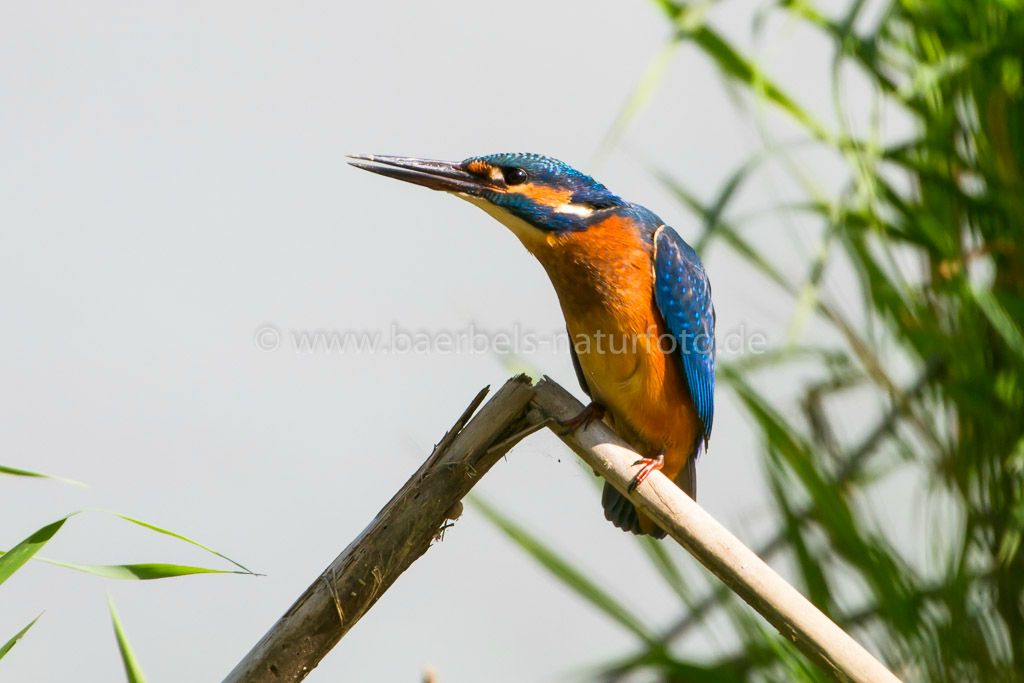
{"x": 683, "y": 295}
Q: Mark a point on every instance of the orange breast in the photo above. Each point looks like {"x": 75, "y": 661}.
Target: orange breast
{"x": 604, "y": 281}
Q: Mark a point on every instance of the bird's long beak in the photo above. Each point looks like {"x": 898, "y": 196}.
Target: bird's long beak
{"x": 447, "y": 176}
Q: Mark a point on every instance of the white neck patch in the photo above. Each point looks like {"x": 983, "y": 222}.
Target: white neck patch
{"x": 581, "y": 210}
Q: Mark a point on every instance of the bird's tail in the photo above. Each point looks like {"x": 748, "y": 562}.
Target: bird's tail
{"x": 623, "y": 514}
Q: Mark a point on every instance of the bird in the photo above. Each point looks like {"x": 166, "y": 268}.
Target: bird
{"x": 635, "y": 297}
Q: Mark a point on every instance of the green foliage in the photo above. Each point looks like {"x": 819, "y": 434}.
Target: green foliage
{"x": 6, "y": 647}
{"x": 140, "y": 571}
{"x": 13, "y": 559}
{"x": 19, "y": 472}
{"x": 132, "y": 670}
{"x": 186, "y": 539}
{"x": 932, "y": 227}
{"x": 17, "y": 557}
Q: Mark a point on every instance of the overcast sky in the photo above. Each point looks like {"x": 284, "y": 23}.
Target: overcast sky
{"x": 173, "y": 193}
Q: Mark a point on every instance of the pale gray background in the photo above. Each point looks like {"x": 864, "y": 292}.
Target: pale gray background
{"x": 172, "y": 177}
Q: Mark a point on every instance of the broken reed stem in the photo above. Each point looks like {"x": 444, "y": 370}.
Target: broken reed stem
{"x": 400, "y": 533}
{"x": 404, "y": 529}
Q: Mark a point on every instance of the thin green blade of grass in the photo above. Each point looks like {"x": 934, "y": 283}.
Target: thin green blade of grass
{"x": 711, "y": 214}
{"x": 672, "y": 10}
{"x": 6, "y": 647}
{"x": 19, "y": 472}
{"x": 814, "y": 576}
{"x": 753, "y": 256}
{"x": 132, "y": 670}
{"x": 778, "y": 356}
{"x": 763, "y": 651}
{"x": 666, "y": 567}
{"x": 12, "y": 560}
{"x": 690, "y": 672}
{"x": 142, "y": 571}
{"x": 657, "y": 657}
{"x": 562, "y": 570}
{"x": 726, "y": 193}
{"x": 715, "y": 226}
{"x": 640, "y": 96}
{"x": 846, "y": 40}
{"x": 808, "y": 297}
{"x": 670, "y": 669}
{"x": 737, "y": 67}
{"x": 796, "y": 666}
{"x": 1000, "y": 320}
{"x": 685, "y": 18}
{"x": 186, "y": 539}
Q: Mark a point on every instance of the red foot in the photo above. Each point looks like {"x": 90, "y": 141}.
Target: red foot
{"x": 649, "y": 465}
{"x": 594, "y": 411}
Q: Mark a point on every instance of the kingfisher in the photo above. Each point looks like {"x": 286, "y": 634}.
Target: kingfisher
{"x": 635, "y": 297}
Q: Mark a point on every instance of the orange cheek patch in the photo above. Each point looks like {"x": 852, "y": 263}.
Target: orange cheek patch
{"x": 543, "y": 194}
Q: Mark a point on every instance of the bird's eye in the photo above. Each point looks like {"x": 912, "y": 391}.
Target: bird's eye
{"x": 514, "y": 176}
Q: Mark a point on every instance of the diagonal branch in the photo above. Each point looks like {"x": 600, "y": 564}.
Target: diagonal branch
{"x": 404, "y": 529}
{"x": 847, "y": 470}
{"x": 400, "y": 533}
{"x": 715, "y": 547}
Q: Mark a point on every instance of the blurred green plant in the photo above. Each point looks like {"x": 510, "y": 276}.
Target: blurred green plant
{"x": 932, "y": 227}
{"x": 27, "y": 550}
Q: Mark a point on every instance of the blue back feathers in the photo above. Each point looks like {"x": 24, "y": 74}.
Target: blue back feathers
{"x": 683, "y": 294}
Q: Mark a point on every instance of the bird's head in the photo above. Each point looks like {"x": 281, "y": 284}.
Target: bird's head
{"x": 534, "y": 195}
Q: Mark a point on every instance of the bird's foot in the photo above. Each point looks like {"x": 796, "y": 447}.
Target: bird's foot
{"x": 593, "y": 411}
{"x": 649, "y": 465}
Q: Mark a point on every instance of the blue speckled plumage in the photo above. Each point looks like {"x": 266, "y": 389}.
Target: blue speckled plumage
{"x": 683, "y": 294}
{"x": 542, "y": 169}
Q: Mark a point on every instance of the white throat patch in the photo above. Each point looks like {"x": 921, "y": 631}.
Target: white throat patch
{"x": 527, "y": 234}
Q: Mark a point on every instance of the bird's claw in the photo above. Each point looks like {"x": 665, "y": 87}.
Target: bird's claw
{"x": 649, "y": 465}
{"x": 593, "y": 411}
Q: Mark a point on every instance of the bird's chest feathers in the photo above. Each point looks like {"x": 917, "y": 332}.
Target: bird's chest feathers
{"x": 604, "y": 283}
{"x": 602, "y": 289}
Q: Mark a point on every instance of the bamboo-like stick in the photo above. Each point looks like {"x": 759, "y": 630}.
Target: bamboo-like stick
{"x": 714, "y": 546}
{"x": 406, "y": 526}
